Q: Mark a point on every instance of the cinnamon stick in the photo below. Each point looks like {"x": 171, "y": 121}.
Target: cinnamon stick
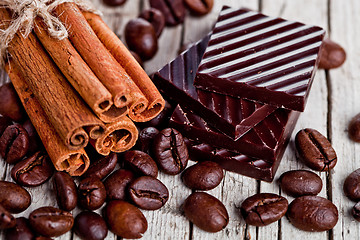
{"x": 80, "y": 76}
{"x": 131, "y": 66}
{"x": 75, "y": 162}
{"x": 65, "y": 110}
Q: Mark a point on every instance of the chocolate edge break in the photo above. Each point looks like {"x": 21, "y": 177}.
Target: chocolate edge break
{"x": 262, "y": 58}
{"x": 232, "y": 116}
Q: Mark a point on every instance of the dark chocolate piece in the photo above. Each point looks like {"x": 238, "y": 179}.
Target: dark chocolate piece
{"x": 266, "y": 59}
{"x": 265, "y": 141}
{"x": 232, "y": 116}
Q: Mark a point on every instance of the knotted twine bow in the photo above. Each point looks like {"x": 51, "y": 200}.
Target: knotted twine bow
{"x": 24, "y": 14}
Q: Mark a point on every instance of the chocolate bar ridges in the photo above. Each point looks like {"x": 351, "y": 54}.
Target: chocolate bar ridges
{"x": 232, "y": 116}
{"x": 264, "y": 141}
{"x": 262, "y": 58}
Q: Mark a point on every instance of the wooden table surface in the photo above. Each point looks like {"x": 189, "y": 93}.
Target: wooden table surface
{"x": 333, "y": 101}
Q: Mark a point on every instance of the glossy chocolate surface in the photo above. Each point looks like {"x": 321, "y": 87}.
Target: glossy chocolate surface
{"x": 267, "y": 59}
{"x": 232, "y": 116}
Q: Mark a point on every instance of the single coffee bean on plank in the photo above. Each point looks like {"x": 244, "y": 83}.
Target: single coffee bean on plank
{"x": 173, "y": 10}
{"x": 21, "y": 231}
{"x": 14, "y": 143}
{"x": 354, "y": 128}
{"x": 200, "y": 7}
{"x": 91, "y": 193}
{"x": 351, "y": 186}
{"x": 332, "y": 55}
{"x": 116, "y": 184}
{"x": 140, "y": 163}
{"x": 102, "y": 167}
{"x": 65, "y": 191}
{"x": 156, "y": 18}
{"x": 13, "y": 197}
{"x": 298, "y": 183}
{"x": 90, "y": 225}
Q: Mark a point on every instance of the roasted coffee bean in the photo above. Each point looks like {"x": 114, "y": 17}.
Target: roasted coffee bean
{"x": 14, "y": 198}
{"x": 312, "y": 213}
{"x": 33, "y": 171}
{"x": 315, "y": 150}
{"x": 161, "y": 121}
{"x": 50, "y": 221}
{"x": 6, "y": 219}
{"x": 140, "y": 163}
{"x": 10, "y": 104}
{"x": 102, "y": 167}
{"x": 332, "y": 55}
{"x": 200, "y": 7}
{"x": 263, "y": 208}
{"x": 156, "y": 18}
{"x": 141, "y": 38}
{"x": 137, "y": 58}
{"x": 354, "y": 128}
{"x": 34, "y": 139}
{"x": 146, "y": 138}
{"x": 114, "y": 3}
{"x": 356, "y": 211}
{"x": 352, "y": 186}
{"x": 148, "y": 193}
{"x": 92, "y": 193}
{"x": 173, "y": 10}
{"x": 206, "y": 212}
{"x": 90, "y": 226}
{"x": 124, "y": 219}
{"x": 203, "y": 176}
{"x": 298, "y": 183}
{"x": 4, "y": 123}
{"x": 14, "y": 143}
{"x": 170, "y": 151}
{"x": 65, "y": 190}
{"x": 116, "y": 184}
{"x": 21, "y": 231}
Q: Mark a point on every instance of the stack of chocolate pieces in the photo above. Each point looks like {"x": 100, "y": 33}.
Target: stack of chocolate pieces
{"x": 240, "y": 89}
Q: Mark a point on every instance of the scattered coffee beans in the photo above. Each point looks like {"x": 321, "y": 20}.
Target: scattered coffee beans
{"x": 312, "y": 213}
{"x": 91, "y": 193}
{"x": 145, "y": 140}
{"x": 352, "y": 186}
{"x": 6, "y": 219}
{"x": 33, "y": 171}
{"x": 315, "y": 150}
{"x": 170, "y": 151}
{"x": 203, "y": 176}
{"x": 148, "y": 193}
{"x": 354, "y": 128}
{"x": 14, "y": 143}
{"x": 298, "y": 183}
{"x": 263, "y": 208}
{"x": 156, "y": 18}
{"x": 124, "y": 219}
{"x": 21, "y": 231}
{"x": 141, "y": 38}
{"x": 14, "y": 198}
{"x": 10, "y": 104}
{"x": 65, "y": 190}
{"x": 114, "y": 2}
{"x": 173, "y": 10}
{"x": 50, "y": 221}
{"x": 356, "y": 211}
{"x": 102, "y": 167}
{"x": 90, "y": 226}
{"x": 141, "y": 163}
{"x": 116, "y": 184}
{"x": 200, "y": 7}
{"x": 332, "y": 55}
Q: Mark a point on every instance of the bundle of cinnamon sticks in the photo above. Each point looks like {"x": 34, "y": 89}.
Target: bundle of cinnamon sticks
{"x": 84, "y": 89}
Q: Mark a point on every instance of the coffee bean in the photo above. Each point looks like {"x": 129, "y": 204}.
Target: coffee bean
{"x": 141, "y": 38}
{"x": 10, "y": 104}
{"x": 161, "y": 121}
{"x": 156, "y": 18}
{"x": 170, "y": 151}
{"x": 355, "y": 212}
{"x": 14, "y": 143}
{"x": 203, "y": 176}
{"x": 92, "y": 193}
{"x": 312, "y": 213}
{"x": 315, "y": 150}
{"x": 206, "y": 212}
{"x": 14, "y": 198}
{"x": 332, "y": 55}
{"x": 263, "y": 208}
{"x": 351, "y": 186}
{"x": 21, "y": 231}
{"x": 298, "y": 183}
{"x": 114, "y": 3}
{"x": 102, "y": 167}
{"x": 50, "y": 221}
{"x": 65, "y": 190}
{"x": 173, "y": 10}
{"x": 4, "y": 123}
{"x": 90, "y": 226}
{"x": 200, "y": 7}
{"x": 145, "y": 139}
{"x": 124, "y": 219}
{"x": 34, "y": 139}
{"x": 148, "y": 193}
{"x": 6, "y": 219}
{"x": 33, "y": 171}
{"x": 354, "y": 128}
{"x": 137, "y": 58}
{"x": 116, "y": 184}
{"x": 140, "y": 163}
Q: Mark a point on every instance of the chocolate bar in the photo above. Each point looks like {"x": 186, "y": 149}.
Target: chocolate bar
{"x": 262, "y": 58}
{"x": 265, "y": 141}
{"x": 232, "y": 116}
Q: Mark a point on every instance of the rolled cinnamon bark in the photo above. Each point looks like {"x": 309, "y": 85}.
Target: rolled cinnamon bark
{"x": 65, "y": 110}
{"x": 75, "y": 162}
{"x": 131, "y": 66}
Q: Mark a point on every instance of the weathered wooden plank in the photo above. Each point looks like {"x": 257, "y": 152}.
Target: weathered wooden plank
{"x": 345, "y": 103}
